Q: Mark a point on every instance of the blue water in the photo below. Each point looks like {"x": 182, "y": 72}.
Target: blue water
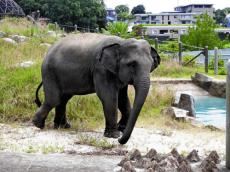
{"x": 211, "y": 111}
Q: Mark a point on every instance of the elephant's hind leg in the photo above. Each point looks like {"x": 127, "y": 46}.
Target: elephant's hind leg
{"x": 52, "y": 99}
{"x": 124, "y": 107}
{"x": 60, "y": 113}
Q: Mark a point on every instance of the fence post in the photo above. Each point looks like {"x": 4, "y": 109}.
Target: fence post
{"x": 180, "y": 53}
{"x": 156, "y": 44}
{"x": 206, "y": 59}
{"x": 228, "y": 117}
{"x": 75, "y": 28}
{"x": 216, "y": 61}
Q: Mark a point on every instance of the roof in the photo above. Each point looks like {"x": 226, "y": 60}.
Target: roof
{"x": 191, "y": 5}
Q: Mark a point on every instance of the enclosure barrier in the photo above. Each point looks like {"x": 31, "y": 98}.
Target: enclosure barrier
{"x": 228, "y": 117}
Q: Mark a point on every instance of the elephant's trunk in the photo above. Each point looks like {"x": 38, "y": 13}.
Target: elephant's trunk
{"x": 141, "y": 92}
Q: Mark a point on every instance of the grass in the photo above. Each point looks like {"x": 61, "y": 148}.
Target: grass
{"x": 18, "y": 86}
{"x": 92, "y": 141}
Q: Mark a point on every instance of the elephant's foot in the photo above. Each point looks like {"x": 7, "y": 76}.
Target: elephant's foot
{"x": 65, "y": 126}
{"x": 111, "y": 133}
{"x": 38, "y": 122}
{"x": 121, "y": 127}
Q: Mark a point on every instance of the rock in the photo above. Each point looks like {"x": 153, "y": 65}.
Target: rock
{"x": 208, "y": 166}
{"x": 187, "y": 102}
{"x": 175, "y": 153}
{"x": 193, "y": 156}
{"x": 123, "y": 161}
{"x": 150, "y": 170}
{"x": 142, "y": 163}
{"x": 45, "y": 45}
{"x": 135, "y": 154}
{"x": 26, "y": 64}
{"x": 184, "y": 167}
{"x": 213, "y": 156}
{"x": 127, "y": 167}
{"x": 218, "y": 88}
{"x": 151, "y": 154}
{"x": 175, "y": 113}
{"x": 169, "y": 163}
{"x": 51, "y": 33}
{"x": 9, "y": 40}
{"x": 2, "y": 34}
{"x": 202, "y": 81}
{"x": 19, "y": 38}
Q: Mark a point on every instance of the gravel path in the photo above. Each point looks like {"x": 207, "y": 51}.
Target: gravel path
{"x": 32, "y": 140}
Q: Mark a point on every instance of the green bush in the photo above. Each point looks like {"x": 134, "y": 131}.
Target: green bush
{"x": 212, "y": 61}
{"x": 187, "y": 58}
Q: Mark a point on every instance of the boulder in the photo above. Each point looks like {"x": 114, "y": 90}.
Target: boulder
{"x": 202, "y": 80}
{"x": 51, "y": 33}
{"x": 187, "y": 102}
{"x": 218, "y": 88}
{"x": 26, "y": 64}
{"x": 2, "y": 34}
{"x": 135, "y": 154}
{"x": 127, "y": 167}
{"x": 151, "y": 154}
{"x": 184, "y": 167}
{"x": 169, "y": 164}
{"x": 193, "y": 156}
{"x": 45, "y": 45}
{"x": 19, "y": 38}
{"x": 10, "y": 41}
{"x": 175, "y": 113}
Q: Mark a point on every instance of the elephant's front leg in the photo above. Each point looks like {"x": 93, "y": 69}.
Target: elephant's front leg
{"x": 124, "y": 107}
{"x": 108, "y": 95}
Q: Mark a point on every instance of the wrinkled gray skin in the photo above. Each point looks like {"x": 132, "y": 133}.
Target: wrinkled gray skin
{"x": 89, "y": 63}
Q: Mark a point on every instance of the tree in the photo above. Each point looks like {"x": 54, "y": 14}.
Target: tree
{"x": 139, "y": 9}
{"x": 84, "y": 13}
{"x": 220, "y": 15}
{"x": 122, "y": 12}
{"x": 203, "y": 34}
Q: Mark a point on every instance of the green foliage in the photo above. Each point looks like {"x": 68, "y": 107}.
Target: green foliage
{"x": 169, "y": 46}
{"x": 90, "y": 13}
{"x": 139, "y": 9}
{"x": 220, "y": 63}
{"x": 117, "y": 28}
{"x": 203, "y": 34}
{"x": 187, "y": 58}
{"x": 221, "y": 14}
{"x": 123, "y": 12}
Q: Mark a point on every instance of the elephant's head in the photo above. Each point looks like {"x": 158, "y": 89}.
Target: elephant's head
{"x": 131, "y": 61}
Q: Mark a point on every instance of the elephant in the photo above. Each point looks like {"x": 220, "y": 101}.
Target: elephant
{"x": 95, "y": 63}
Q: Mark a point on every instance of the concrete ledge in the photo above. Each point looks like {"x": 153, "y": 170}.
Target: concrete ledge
{"x": 171, "y": 80}
{"x": 214, "y": 87}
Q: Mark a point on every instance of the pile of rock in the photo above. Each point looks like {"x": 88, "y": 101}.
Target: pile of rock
{"x": 172, "y": 162}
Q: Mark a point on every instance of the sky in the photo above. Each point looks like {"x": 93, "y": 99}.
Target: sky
{"x": 156, "y": 6}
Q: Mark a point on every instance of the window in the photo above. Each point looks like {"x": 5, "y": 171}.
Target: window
{"x": 163, "y": 31}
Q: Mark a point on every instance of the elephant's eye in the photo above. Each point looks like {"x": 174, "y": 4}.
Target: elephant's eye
{"x": 131, "y": 64}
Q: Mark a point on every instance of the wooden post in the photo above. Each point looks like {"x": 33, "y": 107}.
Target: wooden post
{"x": 216, "y": 61}
{"x": 156, "y": 44}
{"x": 75, "y": 28}
{"x": 180, "y": 53}
{"x": 228, "y": 117}
{"x": 206, "y": 59}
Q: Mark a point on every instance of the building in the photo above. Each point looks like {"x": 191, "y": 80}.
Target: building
{"x": 173, "y": 31}
{"x": 196, "y": 8}
{"x": 111, "y": 15}
{"x": 167, "y": 18}
{"x": 182, "y": 15}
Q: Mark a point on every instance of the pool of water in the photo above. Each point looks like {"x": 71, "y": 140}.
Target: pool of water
{"x": 211, "y": 111}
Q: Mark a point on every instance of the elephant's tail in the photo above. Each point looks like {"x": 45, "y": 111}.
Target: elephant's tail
{"x": 37, "y": 101}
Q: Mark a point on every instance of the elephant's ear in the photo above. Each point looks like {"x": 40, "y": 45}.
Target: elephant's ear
{"x": 109, "y": 57}
{"x": 156, "y": 59}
